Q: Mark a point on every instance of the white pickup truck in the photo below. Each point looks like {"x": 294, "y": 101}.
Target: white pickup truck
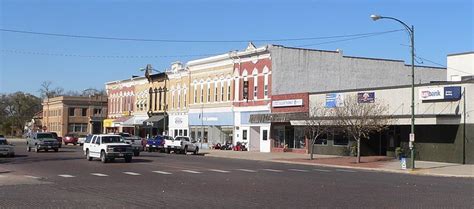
{"x": 107, "y": 147}
{"x": 181, "y": 144}
{"x": 135, "y": 141}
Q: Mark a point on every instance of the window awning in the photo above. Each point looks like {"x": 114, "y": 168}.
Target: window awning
{"x": 135, "y": 120}
{"x": 153, "y": 119}
{"x": 108, "y": 123}
{"x": 277, "y": 117}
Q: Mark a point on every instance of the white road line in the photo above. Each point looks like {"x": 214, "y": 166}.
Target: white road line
{"x": 66, "y": 176}
{"x": 162, "y": 172}
{"x": 99, "y": 174}
{"x": 247, "y": 170}
{"x": 33, "y": 177}
{"x": 343, "y": 170}
{"x": 273, "y": 170}
{"x": 132, "y": 173}
{"x": 322, "y": 170}
{"x": 219, "y": 171}
{"x": 298, "y": 170}
{"x": 190, "y": 171}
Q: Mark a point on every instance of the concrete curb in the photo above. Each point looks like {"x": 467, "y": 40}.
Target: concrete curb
{"x": 416, "y": 172}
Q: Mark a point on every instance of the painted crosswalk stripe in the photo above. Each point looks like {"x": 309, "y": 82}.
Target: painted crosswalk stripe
{"x": 33, "y": 177}
{"x": 322, "y": 170}
{"x": 219, "y": 171}
{"x": 273, "y": 170}
{"x": 162, "y": 172}
{"x": 190, "y": 171}
{"x": 298, "y": 170}
{"x": 66, "y": 176}
{"x": 132, "y": 173}
{"x": 247, "y": 170}
{"x": 343, "y": 170}
{"x": 99, "y": 174}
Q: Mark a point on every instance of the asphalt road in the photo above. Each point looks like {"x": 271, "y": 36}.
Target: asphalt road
{"x": 157, "y": 180}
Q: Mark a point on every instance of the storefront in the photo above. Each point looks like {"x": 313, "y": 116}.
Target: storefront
{"x": 154, "y": 125}
{"x": 178, "y": 124}
{"x": 136, "y": 122}
{"x": 119, "y": 125}
{"x": 212, "y": 127}
{"x": 255, "y": 135}
{"x": 108, "y": 126}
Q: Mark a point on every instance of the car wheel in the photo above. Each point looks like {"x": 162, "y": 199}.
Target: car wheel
{"x": 148, "y": 149}
{"x": 168, "y": 151}
{"x": 28, "y": 148}
{"x": 128, "y": 159}
{"x": 56, "y": 150}
{"x": 74, "y": 144}
{"x": 103, "y": 158}
{"x": 185, "y": 151}
{"x": 136, "y": 153}
{"x": 37, "y": 148}
{"x": 196, "y": 151}
{"x": 65, "y": 143}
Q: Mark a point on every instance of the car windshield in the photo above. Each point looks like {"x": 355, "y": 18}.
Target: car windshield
{"x": 55, "y": 135}
{"x": 45, "y": 136}
{"x": 3, "y": 142}
{"x": 111, "y": 139}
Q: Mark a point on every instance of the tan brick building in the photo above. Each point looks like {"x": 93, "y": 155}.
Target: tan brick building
{"x": 74, "y": 115}
{"x": 178, "y": 100}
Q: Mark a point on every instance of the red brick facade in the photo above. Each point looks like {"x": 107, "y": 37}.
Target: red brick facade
{"x": 303, "y": 108}
{"x": 249, "y": 67}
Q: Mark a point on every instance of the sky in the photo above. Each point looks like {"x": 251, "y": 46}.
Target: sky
{"x": 442, "y": 27}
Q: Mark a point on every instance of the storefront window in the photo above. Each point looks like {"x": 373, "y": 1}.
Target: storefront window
{"x": 180, "y": 132}
{"x": 341, "y": 139}
{"x": 299, "y": 139}
{"x": 176, "y": 132}
{"x": 185, "y": 132}
{"x": 244, "y": 135}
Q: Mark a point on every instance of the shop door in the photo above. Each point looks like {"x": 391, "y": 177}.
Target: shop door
{"x": 254, "y": 144}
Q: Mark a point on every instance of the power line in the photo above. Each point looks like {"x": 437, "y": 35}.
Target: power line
{"x": 12, "y": 51}
{"x": 350, "y": 39}
{"x": 433, "y": 62}
{"x": 187, "y": 41}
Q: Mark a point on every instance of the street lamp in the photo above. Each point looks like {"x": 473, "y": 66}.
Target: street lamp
{"x": 411, "y": 31}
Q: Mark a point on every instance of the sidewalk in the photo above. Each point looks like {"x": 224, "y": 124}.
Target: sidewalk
{"x": 374, "y": 163}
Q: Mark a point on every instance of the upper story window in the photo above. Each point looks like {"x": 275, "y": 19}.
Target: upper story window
{"x": 195, "y": 94}
{"x": 71, "y": 111}
{"x": 202, "y": 94}
{"x": 84, "y": 111}
{"x": 228, "y": 91}
{"x": 215, "y": 92}
{"x": 208, "y": 92}
{"x": 222, "y": 91}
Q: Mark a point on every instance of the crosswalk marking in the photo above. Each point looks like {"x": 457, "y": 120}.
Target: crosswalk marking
{"x": 247, "y": 170}
{"x": 66, "y": 176}
{"x": 99, "y": 174}
{"x": 298, "y": 170}
{"x": 344, "y": 170}
{"x": 162, "y": 172}
{"x": 190, "y": 171}
{"x": 219, "y": 171}
{"x": 322, "y": 170}
{"x": 132, "y": 173}
{"x": 33, "y": 177}
{"x": 273, "y": 170}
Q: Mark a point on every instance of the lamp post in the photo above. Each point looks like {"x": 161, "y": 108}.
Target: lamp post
{"x": 411, "y": 31}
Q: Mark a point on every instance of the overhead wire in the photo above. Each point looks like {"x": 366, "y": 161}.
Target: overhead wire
{"x": 189, "y": 41}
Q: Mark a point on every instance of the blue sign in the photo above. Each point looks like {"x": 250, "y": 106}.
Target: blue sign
{"x": 334, "y": 100}
{"x": 452, "y": 93}
{"x": 366, "y": 97}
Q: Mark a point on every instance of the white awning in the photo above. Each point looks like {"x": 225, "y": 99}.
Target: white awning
{"x": 135, "y": 120}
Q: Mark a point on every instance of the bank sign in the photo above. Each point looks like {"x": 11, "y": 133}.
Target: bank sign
{"x": 440, "y": 93}
{"x": 287, "y": 103}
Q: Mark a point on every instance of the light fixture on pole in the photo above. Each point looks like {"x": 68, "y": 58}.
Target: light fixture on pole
{"x": 411, "y": 31}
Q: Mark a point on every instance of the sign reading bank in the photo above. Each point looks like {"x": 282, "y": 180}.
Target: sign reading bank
{"x": 440, "y": 93}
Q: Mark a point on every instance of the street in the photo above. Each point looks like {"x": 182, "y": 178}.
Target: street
{"x": 158, "y": 180}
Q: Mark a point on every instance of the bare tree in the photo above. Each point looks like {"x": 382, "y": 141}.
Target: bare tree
{"x": 47, "y": 91}
{"x": 317, "y": 124}
{"x": 359, "y": 120}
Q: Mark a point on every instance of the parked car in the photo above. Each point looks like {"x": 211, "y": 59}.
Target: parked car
{"x": 156, "y": 144}
{"x": 42, "y": 141}
{"x": 107, "y": 147}
{"x": 135, "y": 141}
{"x": 70, "y": 139}
{"x": 6, "y": 148}
{"x": 82, "y": 139}
{"x": 181, "y": 144}
{"x": 60, "y": 139}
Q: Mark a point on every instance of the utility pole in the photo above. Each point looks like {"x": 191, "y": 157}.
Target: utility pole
{"x": 464, "y": 130}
